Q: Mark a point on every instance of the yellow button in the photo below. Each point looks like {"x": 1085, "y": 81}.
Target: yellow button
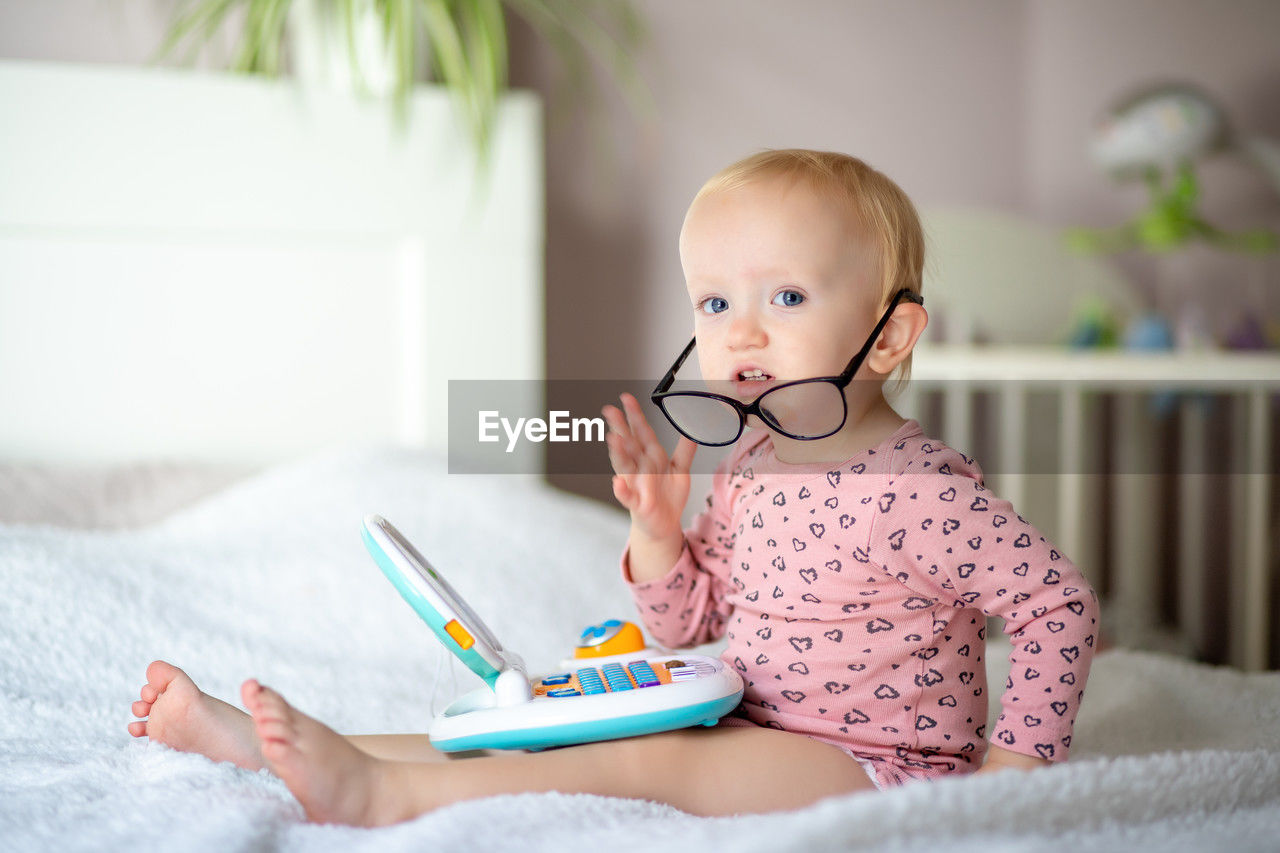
{"x": 459, "y": 634}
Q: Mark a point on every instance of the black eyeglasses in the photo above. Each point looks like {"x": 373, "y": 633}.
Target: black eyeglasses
{"x": 804, "y": 409}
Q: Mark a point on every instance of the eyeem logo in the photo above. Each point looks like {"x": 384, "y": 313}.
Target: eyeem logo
{"x": 558, "y": 427}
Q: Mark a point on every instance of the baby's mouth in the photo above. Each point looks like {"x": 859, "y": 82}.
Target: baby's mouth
{"x": 751, "y": 383}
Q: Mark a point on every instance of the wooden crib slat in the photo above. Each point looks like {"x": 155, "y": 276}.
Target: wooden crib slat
{"x": 1255, "y": 586}
{"x": 1135, "y": 571}
{"x": 1071, "y": 480}
{"x": 1192, "y": 512}
{"x": 1013, "y": 444}
{"x": 1237, "y": 498}
{"x": 957, "y": 415}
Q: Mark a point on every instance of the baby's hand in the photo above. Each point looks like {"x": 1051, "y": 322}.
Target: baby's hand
{"x": 652, "y": 486}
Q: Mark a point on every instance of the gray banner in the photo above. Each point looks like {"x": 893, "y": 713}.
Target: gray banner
{"x": 556, "y": 427}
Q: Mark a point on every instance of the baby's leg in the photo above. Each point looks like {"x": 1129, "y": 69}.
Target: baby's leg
{"x": 401, "y": 748}
{"x": 183, "y": 717}
{"x": 718, "y": 771}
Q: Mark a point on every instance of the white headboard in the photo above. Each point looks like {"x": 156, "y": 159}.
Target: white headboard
{"x": 215, "y": 267}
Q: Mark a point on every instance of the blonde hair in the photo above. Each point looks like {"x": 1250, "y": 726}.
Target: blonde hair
{"x": 879, "y": 208}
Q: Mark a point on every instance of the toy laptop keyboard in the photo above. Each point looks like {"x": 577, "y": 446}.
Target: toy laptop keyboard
{"x": 617, "y": 677}
{"x": 600, "y": 697}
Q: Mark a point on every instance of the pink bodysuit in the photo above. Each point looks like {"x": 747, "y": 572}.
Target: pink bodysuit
{"x": 854, "y": 598}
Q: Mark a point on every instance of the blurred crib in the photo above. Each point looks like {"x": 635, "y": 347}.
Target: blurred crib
{"x": 1155, "y": 473}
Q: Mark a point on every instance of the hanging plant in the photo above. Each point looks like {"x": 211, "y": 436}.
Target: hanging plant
{"x": 464, "y": 42}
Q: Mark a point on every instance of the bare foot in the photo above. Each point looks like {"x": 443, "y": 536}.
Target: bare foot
{"x": 334, "y": 781}
{"x": 181, "y": 716}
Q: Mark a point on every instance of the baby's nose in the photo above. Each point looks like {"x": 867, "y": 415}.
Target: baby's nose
{"x": 746, "y": 331}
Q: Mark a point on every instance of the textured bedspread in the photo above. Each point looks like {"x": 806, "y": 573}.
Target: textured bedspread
{"x": 269, "y": 579}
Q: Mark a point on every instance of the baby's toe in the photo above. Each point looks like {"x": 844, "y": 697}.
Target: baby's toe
{"x": 276, "y": 730}
{"x": 149, "y": 693}
{"x": 141, "y": 708}
{"x": 251, "y": 695}
{"x": 160, "y": 674}
{"x": 277, "y": 752}
{"x": 263, "y": 702}
{"x": 138, "y": 728}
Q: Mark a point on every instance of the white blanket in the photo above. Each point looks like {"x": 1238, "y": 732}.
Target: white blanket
{"x": 269, "y": 579}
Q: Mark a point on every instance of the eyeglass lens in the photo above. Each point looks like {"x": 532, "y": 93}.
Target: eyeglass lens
{"x": 804, "y": 410}
{"x": 706, "y": 420}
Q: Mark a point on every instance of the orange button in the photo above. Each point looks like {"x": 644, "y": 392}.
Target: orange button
{"x": 459, "y": 634}
{"x": 628, "y": 639}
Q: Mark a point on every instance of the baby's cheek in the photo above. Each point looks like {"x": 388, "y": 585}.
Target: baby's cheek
{"x": 710, "y": 365}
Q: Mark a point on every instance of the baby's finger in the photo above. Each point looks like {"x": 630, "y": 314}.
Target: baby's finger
{"x": 616, "y": 420}
{"x": 645, "y": 458}
{"x": 644, "y": 435}
{"x": 638, "y": 422}
{"x": 682, "y": 456}
{"x": 620, "y": 458}
{"x": 631, "y": 441}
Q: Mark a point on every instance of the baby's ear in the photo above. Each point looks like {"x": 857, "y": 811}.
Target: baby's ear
{"x": 898, "y": 338}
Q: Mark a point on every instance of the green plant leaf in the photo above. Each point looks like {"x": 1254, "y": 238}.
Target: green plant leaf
{"x": 206, "y": 16}
{"x": 569, "y": 25}
{"x": 449, "y": 56}
{"x": 483, "y": 85}
{"x": 245, "y": 57}
{"x": 467, "y": 40}
{"x": 273, "y": 36}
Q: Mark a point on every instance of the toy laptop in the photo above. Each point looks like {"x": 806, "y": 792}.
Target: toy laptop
{"x": 612, "y": 688}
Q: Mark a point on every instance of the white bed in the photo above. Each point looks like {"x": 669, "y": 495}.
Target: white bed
{"x": 268, "y": 578}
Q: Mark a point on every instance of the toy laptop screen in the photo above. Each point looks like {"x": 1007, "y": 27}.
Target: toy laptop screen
{"x": 436, "y": 592}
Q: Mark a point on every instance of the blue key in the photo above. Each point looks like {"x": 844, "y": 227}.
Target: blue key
{"x": 564, "y": 691}
{"x": 619, "y": 682}
{"x": 616, "y": 677}
{"x": 643, "y": 674}
{"x": 590, "y": 681}
{"x": 556, "y": 679}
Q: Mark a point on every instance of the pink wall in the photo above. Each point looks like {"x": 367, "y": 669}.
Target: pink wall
{"x": 986, "y": 103}
{"x": 1089, "y": 52}
{"x": 931, "y": 93}
{"x": 976, "y": 102}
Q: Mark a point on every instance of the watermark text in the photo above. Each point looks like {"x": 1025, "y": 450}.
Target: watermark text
{"x": 557, "y": 427}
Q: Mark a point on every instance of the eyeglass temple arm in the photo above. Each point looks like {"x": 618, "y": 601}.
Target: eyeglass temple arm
{"x": 670, "y": 377}
{"x": 857, "y": 360}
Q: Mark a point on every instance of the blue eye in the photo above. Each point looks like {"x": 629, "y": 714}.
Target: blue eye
{"x": 788, "y": 299}
{"x": 714, "y": 305}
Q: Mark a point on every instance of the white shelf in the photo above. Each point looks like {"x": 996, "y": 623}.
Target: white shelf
{"x": 935, "y": 363}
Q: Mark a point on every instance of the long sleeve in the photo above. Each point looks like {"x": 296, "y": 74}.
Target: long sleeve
{"x": 971, "y": 550}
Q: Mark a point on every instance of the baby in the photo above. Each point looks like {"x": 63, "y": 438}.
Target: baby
{"x": 849, "y": 559}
